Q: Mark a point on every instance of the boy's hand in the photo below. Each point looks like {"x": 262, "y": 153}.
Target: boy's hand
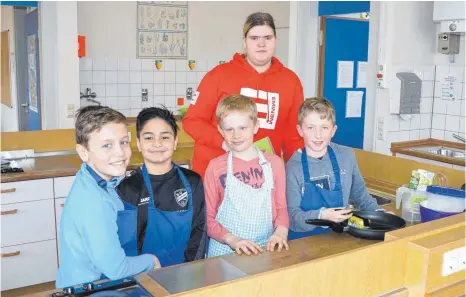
{"x": 279, "y": 237}
{"x": 241, "y": 245}
{"x": 225, "y": 146}
{"x": 156, "y": 262}
{"x": 336, "y": 215}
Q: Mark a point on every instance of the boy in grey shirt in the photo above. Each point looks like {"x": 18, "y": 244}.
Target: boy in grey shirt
{"x": 323, "y": 177}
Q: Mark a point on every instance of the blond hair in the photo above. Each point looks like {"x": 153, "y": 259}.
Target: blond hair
{"x": 317, "y": 104}
{"x": 236, "y": 103}
{"x": 258, "y": 19}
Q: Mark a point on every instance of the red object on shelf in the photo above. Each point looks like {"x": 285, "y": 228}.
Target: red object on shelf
{"x": 81, "y": 46}
{"x": 180, "y": 101}
{"x": 379, "y": 75}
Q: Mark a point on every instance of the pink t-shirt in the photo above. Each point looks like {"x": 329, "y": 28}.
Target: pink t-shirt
{"x": 251, "y": 173}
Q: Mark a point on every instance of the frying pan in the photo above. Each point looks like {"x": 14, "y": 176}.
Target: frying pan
{"x": 377, "y": 222}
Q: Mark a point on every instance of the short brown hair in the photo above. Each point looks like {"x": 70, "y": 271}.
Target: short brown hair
{"x": 92, "y": 118}
{"x": 258, "y": 19}
{"x": 317, "y": 104}
{"x": 236, "y": 103}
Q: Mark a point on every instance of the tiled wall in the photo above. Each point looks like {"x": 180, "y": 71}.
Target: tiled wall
{"x": 416, "y": 126}
{"x": 448, "y": 117}
{"x": 439, "y": 118}
{"x": 118, "y": 82}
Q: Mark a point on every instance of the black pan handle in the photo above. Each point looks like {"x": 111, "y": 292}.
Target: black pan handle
{"x": 321, "y": 223}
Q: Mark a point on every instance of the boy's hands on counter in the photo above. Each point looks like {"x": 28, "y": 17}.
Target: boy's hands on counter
{"x": 336, "y": 215}
{"x": 241, "y": 245}
{"x": 279, "y": 237}
{"x": 156, "y": 262}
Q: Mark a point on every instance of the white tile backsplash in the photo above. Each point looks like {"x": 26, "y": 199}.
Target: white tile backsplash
{"x": 159, "y": 89}
{"x": 438, "y": 134}
{"x": 135, "y": 65}
{"x": 438, "y": 121}
{"x": 98, "y": 77}
{"x": 440, "y": 107}
{"x": 414, "y": 134}
{"x": 136, "y": 90}
{"x": 191, "y": 77}
{"x": 180, "y": 90}
{"x": 452, "y": 123}
{"x": 111, "y": 64}
{"x": 405, "y": 124}
{"x": 427, "y": 90}
{"x": 181, "y": 77}
{"x": 98, "y": 65}
{"x": 426, "y": 105}
{"x": 111, "y": 77}
{"x": 124, "y": 90}
{"x": 149, "y": 87}
{"x": 159, "y": 77}
{"x": 123, "y": 64}
{"x": 424, "y": 134}
{"x": 85, "y": 64}
{"x": 394, "y": 123}
{"x": 99, "y": 90}
{"x": 135, "y": 77}
{"x": 124, "y": 103}
{"x": 170, "y": 77}
{"x": 454, "y": 107}
{"x": 170, "y": 89}
{"x": 159, "y": 100}
{"x": 136, "y": 102}
{"x": 123, "y": 77}
{"x": 462, "y": 125}
{"x": 111, "y": 90}
{"x": 415, "y": 122}
{"x": 147, "y": 65}
{"x": 169, "y": 65}
{"x": 426, "y": 121}
{"x": 181, "y": 65}
{"x": 85, "y": 77}
{"x": 201, "y": 65}
{"x": 147, "y": 77}
{"x": 112, "y": 102}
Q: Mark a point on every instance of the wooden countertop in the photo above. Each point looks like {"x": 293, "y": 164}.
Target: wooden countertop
{"x": 68, "y": 165}
{"x": 405, "y": 146}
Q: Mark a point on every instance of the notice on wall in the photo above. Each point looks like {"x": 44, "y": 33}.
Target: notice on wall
{"x": 450, "y": 88}
{"x": 361, "y": 80}
{"x": 354, "y": 104}
{"x": 345, "y": 74}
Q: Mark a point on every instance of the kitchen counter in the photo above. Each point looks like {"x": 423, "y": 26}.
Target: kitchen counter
{"x": 68, "y": 165}
{"x": 406, "y": 146}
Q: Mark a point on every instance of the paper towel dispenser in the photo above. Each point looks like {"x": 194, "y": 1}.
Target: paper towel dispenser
{"x": 410, "y": 93}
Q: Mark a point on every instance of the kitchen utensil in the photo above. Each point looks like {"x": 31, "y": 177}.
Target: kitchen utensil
{"x": 377, "y": 223}
{"x": 428, "y": 214}
{"x": 446, "y": 199}
{"x": 410, "y": 200}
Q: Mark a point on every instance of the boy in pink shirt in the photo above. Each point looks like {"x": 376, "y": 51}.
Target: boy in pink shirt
{"x": 244, "y": 188}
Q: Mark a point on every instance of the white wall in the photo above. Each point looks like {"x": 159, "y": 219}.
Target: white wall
{"x": 215, "y": 28}
{"x": 9, "y": 115}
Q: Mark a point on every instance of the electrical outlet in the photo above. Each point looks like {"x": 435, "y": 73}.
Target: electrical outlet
{"x": 450, "y": 263}
{"x": 380, "y": 128}
{"x": 462, "y": 258}
{"x": 70, "y": 110}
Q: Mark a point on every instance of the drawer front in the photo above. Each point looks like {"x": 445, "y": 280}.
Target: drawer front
{"x": 28, "y": 264}
{"x": 24, "y": 191}
{"x": 27, "y": 222}
{"x": 62, "y": 186}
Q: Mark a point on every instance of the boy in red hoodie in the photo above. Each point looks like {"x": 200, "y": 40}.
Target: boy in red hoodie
{"x": 276, "y": 91}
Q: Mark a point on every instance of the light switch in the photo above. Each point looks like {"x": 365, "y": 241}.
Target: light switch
{"x": 70, "y": 110}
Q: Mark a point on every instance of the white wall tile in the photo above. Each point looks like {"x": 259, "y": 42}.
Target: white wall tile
{"x": 438, "y": 121}
{"x": 462, "y": 125}
{"x": 135, "y": 77}
{"x": 111, "y": 64}
{"x": 170, "y": 101}
{"x": 437, "y": 89}
{"x": 426, "y": 105}
{"x": 98, "y": 77}
{"x": 112, "y": 102}
{"x": 126, "y": 112}
{"x": 159, "y": 89}
{"x": 441, "y": 71}
{"x": 170, "y": 77}
{"x": 159, "y": 77}
{"x": 180, "y": 90}
{"x": 159, "y": 100}
{"x": 170, "y": 89}
{"x": 181, "y": 77}
{"x": 211, "y": 64}
{"x": 463, "y": 91}
{"x": 452, "y": 123}
{"x": 438, "y": 134}
{"x": 169, "y": 65}
{"x": 124, "y": 90}
{"x": 415, "y": 122}
{"x": 428, "y": 73}
{"x": 98, "y": 64}
{"x": 123, "y": 77}
{"x": 393, "y": 123}
{"x": 99, "y": 90}
{"x": 426, "y": 121}
{"x": 414, "y": 135}
{"x": 123, "y": 64}
{"x": 147, "y": 65}
{"x": 111, "y": 90}
{"x": 135, "y": 65}
{"x": 191, "y": 78}
{"x": 200, "y": 76}
{"x": 148, "y": 103}
{"x": 405, "y": 124}
{"x": 124, "y": 103}
{"x": 181, "y": 65}
{"x": 85, "y": 64}
{"x": 439, "y": 106}
{"x": 147, "y": 77}
{"x": 454, "y": 107}
{"x": 111, "y": 77}
{"x": 427, "y": 89}
{"x": 85, "y": 77}
{"x": 424, "y": 134}
{"x": 449, "y": 136}
{"x": 458, "y": 72}
{"x": 136, "y": 102}
{"x": 463, "y": 108}
{"x": 149, "y": 87}
{"x": 201, "y": 65}
{"x": 135, "y": 90}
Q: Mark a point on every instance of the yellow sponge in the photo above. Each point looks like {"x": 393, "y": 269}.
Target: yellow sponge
{"x": 356, "y": 222}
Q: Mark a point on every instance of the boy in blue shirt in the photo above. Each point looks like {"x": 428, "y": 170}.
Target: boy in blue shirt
{"x": 92, "y": 229}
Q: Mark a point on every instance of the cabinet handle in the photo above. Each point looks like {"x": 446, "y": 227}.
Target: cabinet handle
{"x": 12, "y": 190}
{"x": 9, "y": 212}
{"x": 6, "y": 255}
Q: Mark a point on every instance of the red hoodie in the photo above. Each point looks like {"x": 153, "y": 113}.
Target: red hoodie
{"x": 277, "y": 92}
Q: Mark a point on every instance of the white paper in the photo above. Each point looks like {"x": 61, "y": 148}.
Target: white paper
{"x": 345, "y": 74}
{"x": 354, "y": 104}
{"x": 450, "y": 88}
{"x": 361, "y": 80}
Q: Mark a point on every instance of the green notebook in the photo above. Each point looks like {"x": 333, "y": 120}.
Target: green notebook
{"x": 265, "y": 145}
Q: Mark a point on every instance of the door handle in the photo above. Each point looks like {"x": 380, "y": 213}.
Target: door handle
{"x": 25, "y": 105}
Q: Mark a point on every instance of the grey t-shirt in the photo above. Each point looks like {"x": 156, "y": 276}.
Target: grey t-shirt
{"x": 321, "y": 174}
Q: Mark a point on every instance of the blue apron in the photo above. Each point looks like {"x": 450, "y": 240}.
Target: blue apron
{"x": 167, "y": 232}
{"x": 314, "y": 197}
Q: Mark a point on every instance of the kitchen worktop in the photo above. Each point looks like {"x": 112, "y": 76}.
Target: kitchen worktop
{"x": 406, "y": 146}
{"x": 68, "y": 165}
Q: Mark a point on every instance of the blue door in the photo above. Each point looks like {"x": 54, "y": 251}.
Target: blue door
{"x": 345, "y": 40}
{"x": 33, "y": 118}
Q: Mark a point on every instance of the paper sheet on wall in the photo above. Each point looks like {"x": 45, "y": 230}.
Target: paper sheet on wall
{"x": 345, "y": 74}
{"x": 361, "y": 80}
{"x": 354, "y": 104}
{"x": 450, "y": 88}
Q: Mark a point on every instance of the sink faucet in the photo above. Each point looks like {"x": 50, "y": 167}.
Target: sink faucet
{"x": 89, "y": 96}
{"x": 458, "y": 137}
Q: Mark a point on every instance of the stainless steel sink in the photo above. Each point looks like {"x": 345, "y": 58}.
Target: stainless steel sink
{"x": 442, "y": 151}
